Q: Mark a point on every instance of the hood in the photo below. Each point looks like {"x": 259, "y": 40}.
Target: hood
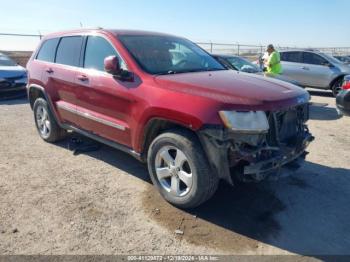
{"x": 240, "y": 90}
{"x": 344, "y": 68}
{"x": 12, "y": 71}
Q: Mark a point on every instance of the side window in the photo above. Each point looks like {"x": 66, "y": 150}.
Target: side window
{"x": 283, "y": 56}
{"x": 48, "y": 50}
{"x": 68, "y": 51}
{"x": 313, "y": 59}
{"x": 97, "y": 49}
{"x": 291, "y": 57}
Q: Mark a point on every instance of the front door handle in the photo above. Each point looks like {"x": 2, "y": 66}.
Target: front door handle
{"x": 49, "y": 71}
{"x": 83, "y": 78}
{"x": 305, "y": 68}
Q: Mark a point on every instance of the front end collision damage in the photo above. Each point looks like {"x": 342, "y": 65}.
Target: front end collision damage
{"x": 254, "y": 157}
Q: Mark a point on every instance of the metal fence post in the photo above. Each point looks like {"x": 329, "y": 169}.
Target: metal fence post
{"x": 238, "y": 49}
{"x": 211, "y": 47}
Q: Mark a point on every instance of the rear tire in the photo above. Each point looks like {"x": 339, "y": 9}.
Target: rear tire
{"x": 45, "y": 122}
{"x": 179, "y": 169}
{"x": 336, "y": 87}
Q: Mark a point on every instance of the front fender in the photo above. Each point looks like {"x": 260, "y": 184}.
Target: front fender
{"x": 179, "y": 118}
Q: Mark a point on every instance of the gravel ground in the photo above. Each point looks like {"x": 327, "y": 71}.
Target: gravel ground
{"x": 102, "y": 202}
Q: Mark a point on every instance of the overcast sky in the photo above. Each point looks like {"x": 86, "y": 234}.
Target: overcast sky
{"x": 318, "y": 23}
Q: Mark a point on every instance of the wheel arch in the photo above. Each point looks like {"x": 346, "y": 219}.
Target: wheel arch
{"x": 157, "y": 126}
{"x": 335, "y": 80}
{"x": 35, "y": 91}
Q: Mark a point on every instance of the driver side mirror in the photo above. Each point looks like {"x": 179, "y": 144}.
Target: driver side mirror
{"x": 113, "y": 67}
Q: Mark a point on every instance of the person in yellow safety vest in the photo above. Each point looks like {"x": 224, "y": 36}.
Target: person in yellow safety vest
{"x": 273, "y": 63}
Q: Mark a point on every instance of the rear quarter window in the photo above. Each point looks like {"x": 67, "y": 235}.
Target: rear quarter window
{"x": 291, "y": 57}
{"x": 48, "y": 50}
{"x": 68, "y": 51}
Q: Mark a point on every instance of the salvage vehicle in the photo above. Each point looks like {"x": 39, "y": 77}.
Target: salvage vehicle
{"x": 314, "y": 69}
{"x": 243, "y": 65}
{"x": 13, "y": 78}
{"x": 343, "y": 98}
{"x": 191, "y": 120}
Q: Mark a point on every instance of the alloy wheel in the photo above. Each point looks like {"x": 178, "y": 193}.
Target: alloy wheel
{"x": 43, "y": 121}
{"x": 173, "y": 171}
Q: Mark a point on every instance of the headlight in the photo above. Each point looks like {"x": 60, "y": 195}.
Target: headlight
{"x": 245, "y": 122}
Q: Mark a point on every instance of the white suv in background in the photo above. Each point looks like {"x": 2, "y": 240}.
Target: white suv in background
{"x": 314, "y": 69}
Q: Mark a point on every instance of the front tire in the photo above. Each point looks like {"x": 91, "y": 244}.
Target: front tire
{"x": 179, "y": 169}
{"x": 45, "y": 122}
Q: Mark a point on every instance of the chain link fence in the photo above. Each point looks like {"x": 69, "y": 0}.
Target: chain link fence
{"x": 20, "y": 46}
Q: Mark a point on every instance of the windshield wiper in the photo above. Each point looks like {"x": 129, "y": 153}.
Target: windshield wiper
{"x": 202, "y": 70}
{"x": 171, "y": 72}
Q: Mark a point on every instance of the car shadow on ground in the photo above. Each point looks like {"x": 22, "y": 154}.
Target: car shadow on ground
{"x": 18, "y": 100}
{"x": 82, "y": 145}
{"x": 307, "y": 213}
{"x": 324, "y": 93}
{"x": 319, "y": 111}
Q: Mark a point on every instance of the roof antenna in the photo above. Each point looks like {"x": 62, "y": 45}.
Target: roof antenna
{"x": 81, "y": 24}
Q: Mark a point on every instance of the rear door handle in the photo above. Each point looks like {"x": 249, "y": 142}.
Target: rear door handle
{"x": 305, "y": 68}
{"x": 83, "y": 78}
{"x": 49, "y": 71}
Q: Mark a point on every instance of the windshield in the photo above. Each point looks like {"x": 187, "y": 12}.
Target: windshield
{"x": 168, "y": 55}
{"x": 6, "y": 61}
{"x": 243, "y": 65}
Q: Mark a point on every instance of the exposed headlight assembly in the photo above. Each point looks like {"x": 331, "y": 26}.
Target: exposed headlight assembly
{"x": 254, "y": 122}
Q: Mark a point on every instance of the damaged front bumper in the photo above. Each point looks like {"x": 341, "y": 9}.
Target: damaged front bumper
{"x": 254, "y": 157}
{"x": 273, "y": 166}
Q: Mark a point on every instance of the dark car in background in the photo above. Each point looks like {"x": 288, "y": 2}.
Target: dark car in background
{"x": 237, "y": 63}
{"x": 343, "y": 98}
{"x": 344, "y": 59}
{"x": 13, "y": 78}
{"x": 243, "y": 65}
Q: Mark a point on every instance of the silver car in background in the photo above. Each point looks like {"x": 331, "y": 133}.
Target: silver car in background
{"x": 314, "y": 69}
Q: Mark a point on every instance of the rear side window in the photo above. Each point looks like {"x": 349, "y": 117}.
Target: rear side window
{"x": 291, "y": 57}
{"x": 68, "y": 51}
{"x": 313, "y": 59}
{"x": 97, "y": 49}
{"x": 48, "y": 50}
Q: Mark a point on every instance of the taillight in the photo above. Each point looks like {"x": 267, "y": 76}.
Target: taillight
{"x": 346, "y": 83}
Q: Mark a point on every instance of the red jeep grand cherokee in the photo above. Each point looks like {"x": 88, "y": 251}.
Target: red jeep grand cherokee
{"x": 167, "y": 102}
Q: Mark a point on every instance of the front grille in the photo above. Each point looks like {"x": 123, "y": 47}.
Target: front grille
{"x": 5, "y": 84}
{"x": 286, "y": 126}
{"x": 13, "y": 78}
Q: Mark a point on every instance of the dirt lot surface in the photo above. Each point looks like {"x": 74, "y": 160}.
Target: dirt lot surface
{"x": 102, "y": 202}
